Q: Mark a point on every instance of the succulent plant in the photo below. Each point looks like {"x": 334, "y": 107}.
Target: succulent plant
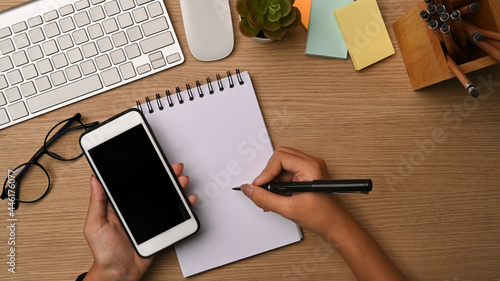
{"x": 273, "y": 17}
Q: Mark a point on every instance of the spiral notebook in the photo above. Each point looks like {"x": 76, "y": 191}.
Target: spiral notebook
{"x": 217, "y": 130}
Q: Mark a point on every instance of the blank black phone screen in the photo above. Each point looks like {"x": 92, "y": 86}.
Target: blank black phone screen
{"x": 139, "y": 184}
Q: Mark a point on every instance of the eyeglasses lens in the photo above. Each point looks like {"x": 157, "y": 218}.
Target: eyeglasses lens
{"x": 28, "y": 181}
{"x": 62, "y": 142}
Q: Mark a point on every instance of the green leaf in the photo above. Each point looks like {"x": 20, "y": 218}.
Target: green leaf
{"x": 275, "y": 35}
{"x": 274, "y": 8}
{"x": 274, "y": 17}
{"x": 247, "y": 30}
{"x": 256, "y": 6}
{"x": 271, "y": 25}
{"x": 286, "y": 7}
{"x": 241, "y": 8}
{"x": 256, "y": 19}
{"x": 292, "y": 19}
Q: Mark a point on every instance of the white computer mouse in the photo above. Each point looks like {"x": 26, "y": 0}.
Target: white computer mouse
{"x": 209, "y": 29}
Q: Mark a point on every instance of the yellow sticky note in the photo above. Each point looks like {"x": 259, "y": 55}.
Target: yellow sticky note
{"x": 305, "y": 9}
{"x": 364, "y": 32}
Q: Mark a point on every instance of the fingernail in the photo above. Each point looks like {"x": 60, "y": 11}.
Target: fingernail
{"x": 256, "y": 179}
{"x": 247, "y": 190}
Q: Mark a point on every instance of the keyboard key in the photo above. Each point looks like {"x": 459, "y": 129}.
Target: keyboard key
{"x": 140, "y": 15}
{"x": 141, "y": 2}
{"x": 64, "y": 93}
{"x": 82, "y": 4}
{"x": 65, "y": 42}
{"x": 74, "y": 55}
{"x": 158, "y": 63}
{"x": 50, "y": 47}
{"x": 14, "y": 77}
{"x": 4, "y": 32}
{"x": 60, "y": 60}
{"x": 21, "y": 40}
{"x": 132, "y": 51}
{"x": 88, "y": 67}
{"x": 6, "y": 46}
{"x": 119, "y": 39}
{"x": 20, "y": 58}
{"x": 4, "y": 118}
{"x": 155, "y": 26}
{"x": 36, "y": 35}
{"x": 134, "y": 34}
{"x": 3, "y": 101}
{"x": 58, "y": 78}
{"x": 51, "y": 30}
{"x": 66, "y": 10}
{"x": 13, "y": 94}
{"x": 125, "y": 20}
{"x": 111, "y": 8}
{"x": 67, "y": 24}
{"x": 80, "y": 36}
{"x": 155, "y": 9}
{"x": 103, "y": 62}
{"x": 127, "y": 70}
{"x": 110, "y": 25}
{"x": 104, "y": 44}
{"x": 155, "y": 56}
{"x": 43, "y": 83}
{"x": 97, "y": 13}
{"x": 73, "y": 72}
{"x": 5, "y": 64}
{"x": 118, "y": 56}
{"x": 3, "y": 82}
{"x": 82, "y": 19}
{"x": 35, "y": 53}
{"x": 156, "y": 42}
{"x": 28, "y": 89}
{"x": 144, "y": 68}
{"x": 111, "y": 77}
{"x": 94, "y": 2}
{"x": 89, "y": 50}
{"x": 127, "y": 4}
{"x": 20, "y": 26}
{"x": 29, "y": 71}
{"x": 17, "y": 110}
{"x": 50, "y": 16}
{"x": 44, "y": 66}
{"x": 35, "y": 21}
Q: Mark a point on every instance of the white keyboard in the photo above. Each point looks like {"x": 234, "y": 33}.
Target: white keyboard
{"x": 57, "y": 52}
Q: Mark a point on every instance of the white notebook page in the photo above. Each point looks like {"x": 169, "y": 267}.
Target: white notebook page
{"x": 223, "y": 141}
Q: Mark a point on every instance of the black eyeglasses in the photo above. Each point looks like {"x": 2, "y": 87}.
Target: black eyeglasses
{"x": 61, "y": 143}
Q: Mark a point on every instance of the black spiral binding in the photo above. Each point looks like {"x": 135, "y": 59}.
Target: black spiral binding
{"x": 158, "y": 101}
{"x": 189, "y": 90}
{"x": 179, "y": 96}
{"x": 198, "y": 87}
{"x": 219, "y": 82}
{"x": 190, "y": 93}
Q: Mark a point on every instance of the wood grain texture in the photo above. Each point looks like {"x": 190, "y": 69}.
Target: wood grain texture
{"x": 433, "y": 156}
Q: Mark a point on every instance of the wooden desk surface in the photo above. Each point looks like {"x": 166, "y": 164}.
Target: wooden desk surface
{"x": 434, "y": 157}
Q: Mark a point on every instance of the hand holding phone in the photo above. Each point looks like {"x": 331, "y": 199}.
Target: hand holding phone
{"x": 139, "y": 182}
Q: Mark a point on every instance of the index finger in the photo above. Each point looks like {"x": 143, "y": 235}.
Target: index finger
{"x": 285, "y": 159}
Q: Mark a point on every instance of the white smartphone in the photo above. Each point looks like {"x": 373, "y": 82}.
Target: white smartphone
{"x": 139, "y": 182}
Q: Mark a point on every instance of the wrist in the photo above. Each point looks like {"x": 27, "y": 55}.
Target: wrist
{"x": 96, "y": 273}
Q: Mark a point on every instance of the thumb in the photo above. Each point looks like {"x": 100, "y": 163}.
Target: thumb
{"x": 266, "y": 200}
{"x": 98, "y": 200}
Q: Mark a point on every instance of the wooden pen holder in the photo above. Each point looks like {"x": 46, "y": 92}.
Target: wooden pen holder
{"x": 423, "y": 53}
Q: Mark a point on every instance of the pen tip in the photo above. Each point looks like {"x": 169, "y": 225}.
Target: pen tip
{"x": 236, "y": 188}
